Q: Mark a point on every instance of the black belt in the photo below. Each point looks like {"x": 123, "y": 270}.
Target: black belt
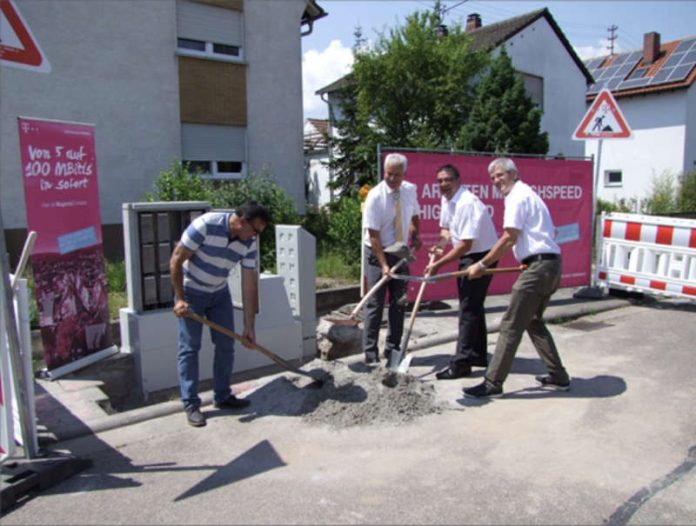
{"x": 540, "y": 257}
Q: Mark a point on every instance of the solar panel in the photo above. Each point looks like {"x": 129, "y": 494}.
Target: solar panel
{"x": 673, "y": 60}
{"x": 685, "y": 45}
{"x": 594, "y": 63}
{"x": 661, "y": 75}
{"x": 608, "y": 73}
{"x": 613, "y": 83}
{"x": 623, "y": 70}
{"x": 689, "y": 58}
{"x": 620, "y": 59}
{"x": 634, "y": 83}
{"x": 680, "y": 73}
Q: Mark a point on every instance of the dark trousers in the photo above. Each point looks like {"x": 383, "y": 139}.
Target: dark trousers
{"x": 472, "y": 341}
{"x": 375, "y": 307}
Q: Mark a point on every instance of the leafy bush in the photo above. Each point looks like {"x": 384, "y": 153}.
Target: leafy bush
{"x": 686, "y": 200}
{"x": 345, "y": 228}
{"x": 115, "y": 275}
{"x": 662, "y": 199}
{"x": 179, "y": 184}
{"x": 316, "y": 222}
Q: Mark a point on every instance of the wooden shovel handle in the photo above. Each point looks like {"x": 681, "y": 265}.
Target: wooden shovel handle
{"x": 375, "y": 288}
{"x": 487, "y": 272}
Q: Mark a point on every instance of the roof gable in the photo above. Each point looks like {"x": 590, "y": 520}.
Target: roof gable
{"x": 493, "y": 35}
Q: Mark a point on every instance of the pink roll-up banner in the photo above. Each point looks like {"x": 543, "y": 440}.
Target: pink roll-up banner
{"x": 61, "y": 192}
{"x": 565, "y": 185}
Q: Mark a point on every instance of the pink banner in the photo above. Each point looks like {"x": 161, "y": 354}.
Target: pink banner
{"x": 564, "y": 185}
{"x": 62, "y": 201}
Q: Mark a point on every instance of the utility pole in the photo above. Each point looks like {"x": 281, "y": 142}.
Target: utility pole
{"x": 612, "y": 36}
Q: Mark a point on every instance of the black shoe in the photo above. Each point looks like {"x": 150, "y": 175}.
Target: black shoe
{"x": 484, "y": 389}
{"x": 453, "y": 374}
{"x": 232, "y": 402}
{"x": 194, "y": 416}
{"x": 370, "y": 359}
{"x": 479, "y": 363}
{"x": 552, "y": 385}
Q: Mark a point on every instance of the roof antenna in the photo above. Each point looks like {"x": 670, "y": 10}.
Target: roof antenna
{"x": 612, "y": 30}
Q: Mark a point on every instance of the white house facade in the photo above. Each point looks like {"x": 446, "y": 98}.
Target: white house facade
{"x": 214, "y": 82}
{"x": 654, "y": 89}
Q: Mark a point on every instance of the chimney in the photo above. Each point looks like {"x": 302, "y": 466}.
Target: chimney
{"x": 473, "y": 21}
{"x": 651, "y": 47}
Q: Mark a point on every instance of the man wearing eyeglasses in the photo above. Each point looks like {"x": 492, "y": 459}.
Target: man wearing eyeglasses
{"x": 465, "y": 221}
{"x": 200, "y": 264}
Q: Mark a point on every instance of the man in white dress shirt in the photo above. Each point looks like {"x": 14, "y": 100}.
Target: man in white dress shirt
{"x": 390, "y": 216}
{"x": 465, "y": 221}
{"x": 528, "y": 230}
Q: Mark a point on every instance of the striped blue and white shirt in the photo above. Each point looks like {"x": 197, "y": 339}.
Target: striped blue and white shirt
{"x": 215, "y": 252}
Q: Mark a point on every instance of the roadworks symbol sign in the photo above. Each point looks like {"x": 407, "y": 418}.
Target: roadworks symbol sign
{"x": 603, "y": 120}
{"x": 18, "y": 47}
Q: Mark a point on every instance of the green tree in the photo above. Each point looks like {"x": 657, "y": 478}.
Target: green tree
{"x": 686, "y": 201}
{"x": 413, "y": 90}
{"x": 662, "y": 198}
{"x": 503, "y": 119}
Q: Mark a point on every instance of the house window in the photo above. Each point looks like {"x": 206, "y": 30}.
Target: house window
{"x": 217, "y": 169}
{"x": 534, "y": 86}
{"x": 613, "y": 178}
{"x": 200, "y": 48}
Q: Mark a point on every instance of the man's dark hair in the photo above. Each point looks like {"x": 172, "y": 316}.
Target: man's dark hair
{"x": 449, "y": 170}
{"x": 252, "y": 210}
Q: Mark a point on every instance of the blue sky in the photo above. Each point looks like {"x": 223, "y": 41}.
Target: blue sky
{"x": 327, "y": 51}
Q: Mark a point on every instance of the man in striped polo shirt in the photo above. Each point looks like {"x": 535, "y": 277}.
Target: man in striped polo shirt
{"x": 200, "y": 264}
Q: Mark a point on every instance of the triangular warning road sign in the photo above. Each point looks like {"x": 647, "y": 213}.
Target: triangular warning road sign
{"x": 18, "y": 47}
{"x": 603, "y": 120}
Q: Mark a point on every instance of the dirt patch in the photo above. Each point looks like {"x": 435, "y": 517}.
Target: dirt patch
{"x": 351, "y": 396}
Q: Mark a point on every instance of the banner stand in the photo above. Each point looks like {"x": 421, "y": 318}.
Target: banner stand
{"x": 68, "y": 368}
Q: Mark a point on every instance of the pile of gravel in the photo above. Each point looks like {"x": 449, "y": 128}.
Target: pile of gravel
{"x": 350, "y": 396}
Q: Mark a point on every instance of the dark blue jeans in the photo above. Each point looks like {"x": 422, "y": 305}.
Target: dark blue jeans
{"x": 216, "y": 307}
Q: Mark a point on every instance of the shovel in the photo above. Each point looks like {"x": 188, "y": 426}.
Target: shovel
{"x": 399, "y": 249}
{"x": 277, "y": 359}
{"x": 457, "y": 274}
{"x": 396, "y": 358}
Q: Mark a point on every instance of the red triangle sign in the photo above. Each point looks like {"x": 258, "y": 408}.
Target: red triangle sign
{"x": 603, "y": 120}
{"x": 18, "y": 47}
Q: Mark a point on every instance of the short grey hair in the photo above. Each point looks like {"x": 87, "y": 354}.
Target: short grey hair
{"x": 506, "y": 164}
{"x": 398, "y": 159}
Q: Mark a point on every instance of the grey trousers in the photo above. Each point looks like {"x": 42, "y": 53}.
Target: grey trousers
{"x": 530, "y": 296}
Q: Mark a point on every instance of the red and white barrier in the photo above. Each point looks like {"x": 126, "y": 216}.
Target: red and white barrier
{"x": 647, "y": 254}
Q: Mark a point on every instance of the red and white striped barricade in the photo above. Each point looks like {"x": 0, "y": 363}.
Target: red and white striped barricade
{"x": 649, "y": 254}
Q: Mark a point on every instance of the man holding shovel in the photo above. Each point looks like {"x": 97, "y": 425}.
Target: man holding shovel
{"x": 200, "y": 264}
{"x": 465, "y": 221}
{"x": 529, "y": 231}
{"x": 390, "y": 218}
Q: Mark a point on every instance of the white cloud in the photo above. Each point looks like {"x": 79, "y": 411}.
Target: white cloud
{"x": 320, "y": 68}
{"x": 599, "y": 50}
